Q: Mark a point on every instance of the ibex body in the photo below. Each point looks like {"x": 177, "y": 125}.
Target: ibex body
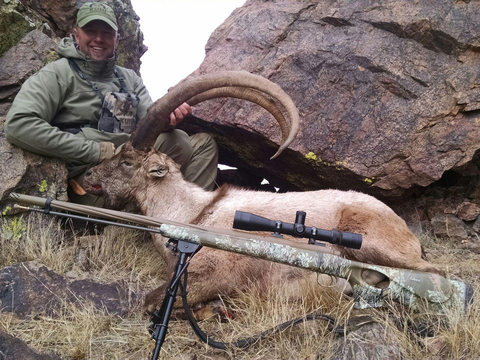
{"x": 155, "y": 182}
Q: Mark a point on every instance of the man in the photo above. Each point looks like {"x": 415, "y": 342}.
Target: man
{"x": 83, "y": 107}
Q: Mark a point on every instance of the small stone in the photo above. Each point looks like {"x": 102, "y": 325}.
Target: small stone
{"x": 448, "y": 225}
{"x": 476, "y": 225}
{"x": 473, "y": 247}
{"x": 468, "y": 211}
{"x": 82, "y": 259}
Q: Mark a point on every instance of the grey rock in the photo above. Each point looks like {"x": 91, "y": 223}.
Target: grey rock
{"x": 476, "y": 225}
{"x": 468, "y": 211}
{"x": 29, "y": 288}
{"x": 473, "y": 247}
{"x": 12, "y": 348}
{"x": 22, "y": 61}
{"x": 434, "y": 345}
{"x": 371, "y": 341}
{"x": 28, "y": 173}
{"x": 448, "y": 225}
{"x": 14, "y": 24}
{"x": 131, "y": 47}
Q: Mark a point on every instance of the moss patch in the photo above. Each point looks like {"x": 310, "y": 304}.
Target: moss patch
{"x": 13, "y": 27}
{"x": 312, "y": 157}
{"x": 43, "y": 186}
{"x": 51, "y": 57}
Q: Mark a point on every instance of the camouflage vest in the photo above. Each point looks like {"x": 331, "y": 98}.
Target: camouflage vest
{"x": 119, "y": 109}
{"x": 119, "y": 112}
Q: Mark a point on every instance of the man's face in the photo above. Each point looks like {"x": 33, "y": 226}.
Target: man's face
{"x": 96, "y": 39}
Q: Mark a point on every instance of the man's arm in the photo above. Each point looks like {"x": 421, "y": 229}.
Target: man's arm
{"x": 28, "y": 122}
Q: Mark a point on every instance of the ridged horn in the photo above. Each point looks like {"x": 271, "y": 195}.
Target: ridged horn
{"x": 151, "y": 126}
{"x": 251, "y": 95}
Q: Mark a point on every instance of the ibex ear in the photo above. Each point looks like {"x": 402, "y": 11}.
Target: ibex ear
{"x": 158, "y": 170}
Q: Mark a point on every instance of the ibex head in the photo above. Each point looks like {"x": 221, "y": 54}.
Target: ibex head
{"x": 128, "y": 173}
{"x": 115, "y": 178}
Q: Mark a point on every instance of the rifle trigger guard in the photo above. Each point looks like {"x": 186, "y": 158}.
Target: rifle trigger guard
{"x": 333, "y": 281}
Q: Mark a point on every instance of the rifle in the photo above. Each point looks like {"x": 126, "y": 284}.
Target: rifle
{"x": 416, "y": 290}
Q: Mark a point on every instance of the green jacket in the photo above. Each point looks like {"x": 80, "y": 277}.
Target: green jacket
{"x": 57, "y": 95}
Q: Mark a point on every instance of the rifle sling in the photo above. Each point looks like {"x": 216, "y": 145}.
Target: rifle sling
{"x": 244, "y": 343}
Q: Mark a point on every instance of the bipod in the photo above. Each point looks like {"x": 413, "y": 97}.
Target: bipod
{"x": 160, "y": 318}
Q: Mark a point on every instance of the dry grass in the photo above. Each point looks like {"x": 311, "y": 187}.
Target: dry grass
{"x": 87, "y": 333}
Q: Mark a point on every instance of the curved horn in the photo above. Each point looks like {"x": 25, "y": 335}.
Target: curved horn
{"x": 155, "y": 121}
{"x": 251, "y": 95}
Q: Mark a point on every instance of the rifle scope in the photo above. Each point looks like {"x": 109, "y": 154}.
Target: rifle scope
{"x": 252, "y": 222}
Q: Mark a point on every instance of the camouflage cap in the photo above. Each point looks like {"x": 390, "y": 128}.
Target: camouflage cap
{"x": 96, "y": 11}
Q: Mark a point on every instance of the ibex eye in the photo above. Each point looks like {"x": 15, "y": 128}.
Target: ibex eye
{"x": 126, "y": 163}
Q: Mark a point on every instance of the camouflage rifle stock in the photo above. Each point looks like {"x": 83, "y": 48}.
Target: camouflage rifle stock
{"x": 416, "y": 290}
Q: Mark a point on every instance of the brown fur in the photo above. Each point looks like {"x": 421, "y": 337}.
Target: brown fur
{"x": 207, "y": 211}
{"x": 154, "y": 181}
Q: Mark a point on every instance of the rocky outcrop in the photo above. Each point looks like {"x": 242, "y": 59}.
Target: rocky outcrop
{"x": 28, "y": 173}
{"x": 19, "y": 170}
{"x": 387, "y": 92}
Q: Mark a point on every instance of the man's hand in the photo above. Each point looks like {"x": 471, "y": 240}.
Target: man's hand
{"x": 179, "y": 114}
{"x": 107, "y": 150}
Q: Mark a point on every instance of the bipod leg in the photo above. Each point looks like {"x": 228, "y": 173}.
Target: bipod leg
{"x": 161, "y": 318}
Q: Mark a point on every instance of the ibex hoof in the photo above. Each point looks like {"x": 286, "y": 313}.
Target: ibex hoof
{"x": 153, "y": 300}
{"x": 211, "y": 312}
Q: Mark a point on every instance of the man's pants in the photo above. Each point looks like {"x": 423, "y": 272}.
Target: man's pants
{"x": 197, "y": 155}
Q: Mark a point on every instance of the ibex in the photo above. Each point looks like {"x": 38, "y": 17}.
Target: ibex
{"x": 155, "y": 183}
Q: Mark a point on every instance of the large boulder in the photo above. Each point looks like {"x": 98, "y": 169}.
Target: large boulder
{"x": 15, "y": 23}
{"x": 28, "y": 173}
{"x": 387, "y": 92}
{"x": 31, "y": 174}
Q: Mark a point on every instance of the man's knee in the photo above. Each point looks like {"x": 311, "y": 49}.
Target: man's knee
{"x": 202, "y": 170}
{"x": 204, "y": 144}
